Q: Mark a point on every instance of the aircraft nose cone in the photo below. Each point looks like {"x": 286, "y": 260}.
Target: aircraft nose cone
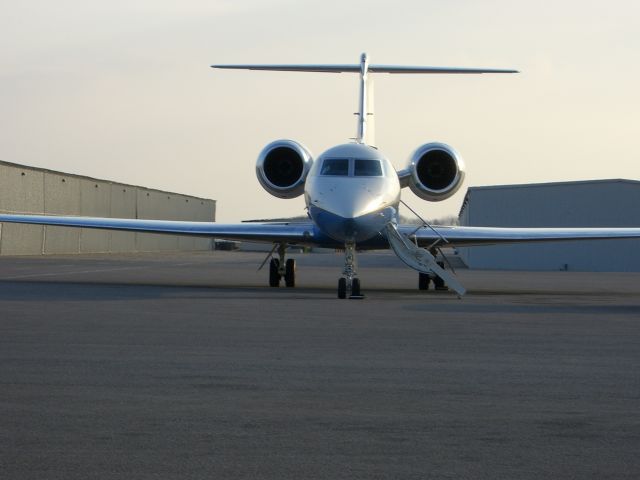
{"x": 356, "y": 229}
{"x": 350, "y": 209}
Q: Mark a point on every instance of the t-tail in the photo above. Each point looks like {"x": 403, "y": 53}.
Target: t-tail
{"x": 365, "y": 128}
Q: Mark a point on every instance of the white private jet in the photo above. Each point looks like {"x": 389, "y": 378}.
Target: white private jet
{"x": 352, "y": 194}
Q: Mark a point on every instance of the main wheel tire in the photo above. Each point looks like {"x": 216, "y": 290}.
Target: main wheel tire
{"x": 355, "y": 287}
{"x": 274, "y": 275}
{"x": 290, "y": 273}
{"x": 438, "y": 282}
{"x": 423, "y": 281}
{"x": 342, "y": 288}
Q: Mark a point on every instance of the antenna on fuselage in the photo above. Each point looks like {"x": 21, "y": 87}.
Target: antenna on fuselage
{"x": 365, "y": 130}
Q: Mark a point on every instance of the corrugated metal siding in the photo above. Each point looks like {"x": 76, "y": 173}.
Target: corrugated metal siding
{"x": 604, "y": 203}
{"x": 26, "y": 189}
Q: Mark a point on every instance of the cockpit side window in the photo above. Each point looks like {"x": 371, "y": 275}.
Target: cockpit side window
{"x": 367, "y": 168}
{"x": 335, "y": 166}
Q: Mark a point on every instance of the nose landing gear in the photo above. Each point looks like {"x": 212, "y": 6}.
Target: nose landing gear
{"x": 349, "y": 283}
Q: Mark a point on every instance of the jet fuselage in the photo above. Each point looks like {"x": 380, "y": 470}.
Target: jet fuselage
{"x": 352, "y": 191}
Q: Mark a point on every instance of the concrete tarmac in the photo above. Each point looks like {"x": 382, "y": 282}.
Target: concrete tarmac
{"x": 189, "y": 366}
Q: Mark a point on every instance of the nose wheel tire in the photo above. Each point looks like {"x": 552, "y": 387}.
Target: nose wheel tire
{"x": 355, "y": 287}
{"x": 342, "y": 288}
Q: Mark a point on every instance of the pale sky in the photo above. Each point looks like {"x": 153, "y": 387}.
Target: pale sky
{"x": 122, "y": 90}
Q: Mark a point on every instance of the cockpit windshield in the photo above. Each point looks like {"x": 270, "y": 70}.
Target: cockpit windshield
{"x": 345, "y": 167}
{"x": 367, "y": 168}
{"x": 335, "y": 166}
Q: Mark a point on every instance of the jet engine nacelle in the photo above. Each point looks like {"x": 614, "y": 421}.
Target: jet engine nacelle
{"x": 437, "y": 172}
{"x": 282, "y": 168}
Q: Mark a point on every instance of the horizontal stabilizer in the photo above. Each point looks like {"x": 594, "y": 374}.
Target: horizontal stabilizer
{"x": 454, "y": 70}
{"x": 356, "y": 68}
{"x": 293, "y": 68}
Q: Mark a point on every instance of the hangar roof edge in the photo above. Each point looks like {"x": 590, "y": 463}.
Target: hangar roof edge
{"x": 553, "y": 184}
{"x": 465, "y": 201}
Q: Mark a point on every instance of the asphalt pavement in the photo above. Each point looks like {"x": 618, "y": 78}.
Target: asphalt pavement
{"x": 188, "y": 366}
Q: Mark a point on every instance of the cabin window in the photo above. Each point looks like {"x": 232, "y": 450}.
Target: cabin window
{"x": 335, "y": 166}
{"x": 367, "y": 168}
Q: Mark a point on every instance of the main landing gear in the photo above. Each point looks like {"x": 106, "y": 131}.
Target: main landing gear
{"x": 424, "y": 279}
{"x": 279, "y": 268}
{"x": 350, "y": 283}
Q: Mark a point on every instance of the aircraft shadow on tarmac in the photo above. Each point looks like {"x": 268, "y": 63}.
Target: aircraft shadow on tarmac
{"x": 53, "y": 290}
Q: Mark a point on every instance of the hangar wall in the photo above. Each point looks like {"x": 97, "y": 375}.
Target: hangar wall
{"x": 25, "y": 189}
{"x": 597, "y": 203}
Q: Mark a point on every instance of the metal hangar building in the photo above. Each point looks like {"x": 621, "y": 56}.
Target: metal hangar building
{"x": 25, "y": 189}
{"x": 594, "y": 203}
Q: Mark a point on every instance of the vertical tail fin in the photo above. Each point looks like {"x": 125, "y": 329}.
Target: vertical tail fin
{"x": 370, "y": 138}
{"x": 366, "y": 93}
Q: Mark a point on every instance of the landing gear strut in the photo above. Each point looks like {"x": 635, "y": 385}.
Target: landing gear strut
{"x": 279, "y": 268}
{"x": 349, "y": 283}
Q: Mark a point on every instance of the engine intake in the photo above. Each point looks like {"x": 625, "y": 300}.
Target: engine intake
{"x": 282, "y": 168}
{"x": 437, "y": 172}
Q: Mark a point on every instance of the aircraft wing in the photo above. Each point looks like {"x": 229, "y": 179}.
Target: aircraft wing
{"x": 471, "y": 236}
{"x": 303, "y": 232}
{"x": 290, "y": 232}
